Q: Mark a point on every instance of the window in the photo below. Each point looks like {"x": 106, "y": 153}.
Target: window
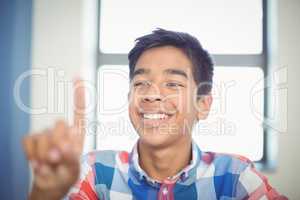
{"x": 232, "y": 31}
{"x": 224, "y": 27}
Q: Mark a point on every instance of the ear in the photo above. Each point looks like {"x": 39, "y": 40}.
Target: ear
{"x": 203, "y": 106}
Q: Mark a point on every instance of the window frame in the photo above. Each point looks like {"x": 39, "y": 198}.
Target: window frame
{"x": 268, "y": 161}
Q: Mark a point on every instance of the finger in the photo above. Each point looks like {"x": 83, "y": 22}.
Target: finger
{"x": 77, "y": 140}
{"x": 60, "y": 141}
{"x": 42, "y": 146}
{"x": 54, "y": 156}
{"x": 78, "y": 130}
{"x": 79, "y": 104}
{"x": 59, "y": 133}
{"x": 71, "y": 150}
{"x": 69, "y": 170}
{"x": 28, "y": 146}
{"x": 65, "y": 140}
{"x": 45, "y": 177}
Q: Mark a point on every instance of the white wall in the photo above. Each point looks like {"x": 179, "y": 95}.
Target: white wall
{"x": 287, "y": 178}
{"x": 64, "y": 38}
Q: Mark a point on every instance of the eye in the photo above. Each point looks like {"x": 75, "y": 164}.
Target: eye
{"x": 174, "y": 85}
{"x": 141, "y": 83}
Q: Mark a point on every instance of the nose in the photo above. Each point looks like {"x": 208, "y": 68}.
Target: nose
{"x": 151, "y": 98}
{"x": 152, "y": 94}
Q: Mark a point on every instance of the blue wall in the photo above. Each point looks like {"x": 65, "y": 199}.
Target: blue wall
{"x": 15, "y": 42}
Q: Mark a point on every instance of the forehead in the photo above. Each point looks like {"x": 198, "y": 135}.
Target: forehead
{"x": 157, "y": 59}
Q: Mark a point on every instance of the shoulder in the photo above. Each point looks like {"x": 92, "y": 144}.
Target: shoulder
{"x": 223, "y": 170}
{"x": 219, "y": 164}
{"x": 231, "y": 163}
{"x": 235, "y": 176}
{"x": 221, "y": 167}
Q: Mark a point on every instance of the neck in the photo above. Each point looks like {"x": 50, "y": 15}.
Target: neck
{"x": 161, "y": 163}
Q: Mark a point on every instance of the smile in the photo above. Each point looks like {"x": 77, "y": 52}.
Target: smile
{"x": 155, "y": 116}
{"x": 155, "y": 119}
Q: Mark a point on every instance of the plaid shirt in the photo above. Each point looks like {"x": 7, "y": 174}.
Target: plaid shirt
{"x": 117, "y": 175}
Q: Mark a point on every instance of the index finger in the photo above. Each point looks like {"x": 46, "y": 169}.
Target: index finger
{"x": 79, "y": 104}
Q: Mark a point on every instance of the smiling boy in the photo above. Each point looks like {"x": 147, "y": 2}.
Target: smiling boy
{"x": 170, "y": 84}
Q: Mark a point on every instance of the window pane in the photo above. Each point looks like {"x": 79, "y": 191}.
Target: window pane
{"x": 223, "y": 27}
{"x": 234, "y": 124}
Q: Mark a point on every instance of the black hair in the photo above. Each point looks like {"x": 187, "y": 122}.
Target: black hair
{"x": 200, "y": 58}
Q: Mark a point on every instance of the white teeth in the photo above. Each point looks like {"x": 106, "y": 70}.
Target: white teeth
{"x": 155, "y": 116}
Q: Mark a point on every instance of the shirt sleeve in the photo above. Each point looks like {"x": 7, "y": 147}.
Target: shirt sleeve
{"x": 84, "y": 189}
{"x": 252, "y": 185}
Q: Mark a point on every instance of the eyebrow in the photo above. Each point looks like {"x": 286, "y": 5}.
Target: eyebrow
{"x": 140, "y": 72}
{"x": 170, "y": 71}
{"x": 176, "y": 72}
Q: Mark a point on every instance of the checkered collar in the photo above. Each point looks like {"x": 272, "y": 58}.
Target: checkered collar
{"x": 186, "y": 176}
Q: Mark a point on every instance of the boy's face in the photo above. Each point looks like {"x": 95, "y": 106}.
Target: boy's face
{"x": 162, "y": 97}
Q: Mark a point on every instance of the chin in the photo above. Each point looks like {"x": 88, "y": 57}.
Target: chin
{"x": 155, "y": 139}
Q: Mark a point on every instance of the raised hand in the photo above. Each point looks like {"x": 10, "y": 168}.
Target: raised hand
{"x": 54, "y": 153}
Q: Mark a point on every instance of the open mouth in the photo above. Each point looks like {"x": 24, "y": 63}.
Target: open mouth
{"x": 157, "y": 116}
{"x": 155, "y": 119}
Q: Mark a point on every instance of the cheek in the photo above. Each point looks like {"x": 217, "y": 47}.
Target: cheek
{"x": 133, "y": 117}
{"x": 131, "y": 106}
{"x": 132, "y": 110}
{"x": 133, "y": 100}
{"x": 184, "y": 103}
{"x": 187, "y": 112}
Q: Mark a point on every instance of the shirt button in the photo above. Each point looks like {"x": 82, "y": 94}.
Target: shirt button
{"x": 165, "y": 191}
